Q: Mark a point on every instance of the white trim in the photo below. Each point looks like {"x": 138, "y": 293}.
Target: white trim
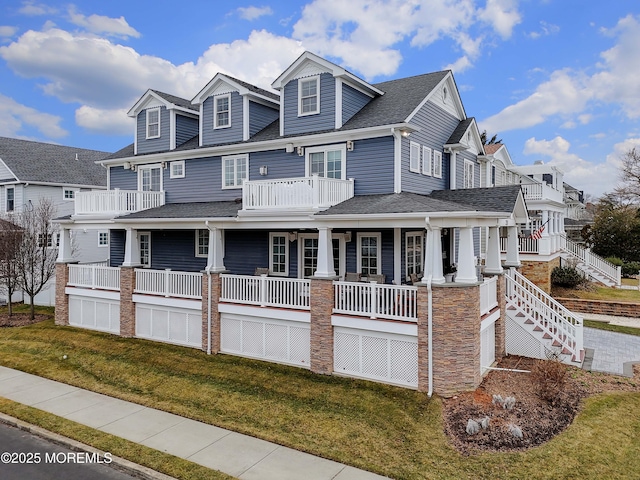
{"x": 397, "y": 161}
{"x": 87, "y": 292}
{"x": 468, "y": 182}
{"x": 315, "y": 78}
{"x": 397, "y": 256}
{"x": 378, "y": 236}
{"x": 139, "y": 235}
{"x": 437, "y": 164}
{"x": 342, "y": 250}
{"x": 150, "y": 166}
{"x": 69, "y": 189}
{"x": 235, "y": 159}
{"x": 6, "y": 198}
{"x": 414, "y": 166}
{"x": 427, "y": 169}
{"x": 273, "y": 314}
{"x": 201, "y": 125}
{"x": 284, "y": 235}
{"x": 172, "y": 129}
{"x": 146, "y": 118}
{"x": 103, "y": 245}
{"x": 338, "y": 102}
{"x": 176, "y": 163}
{"x": 457, "y": 101}
{"x": 421, "y": 254}
{"x": 327, "y": 148}
{"x": 158, "y": 301}
{"x": 197, "y": 243}
{"x": 216, "y": 125}
{"x": 245, "y": 118}
{"x": 368, "y": 324}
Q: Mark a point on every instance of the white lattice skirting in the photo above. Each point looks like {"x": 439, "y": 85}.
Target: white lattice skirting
{"x": 94, "y": 314}
{"x": 520, "y": 342}
{"x": 169, "y": 324}
{"x": 281, "y": 341}
{"x": 383, "y": 357}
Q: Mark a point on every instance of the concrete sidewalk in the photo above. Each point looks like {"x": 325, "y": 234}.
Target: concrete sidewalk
{"x": 238, "y": 455}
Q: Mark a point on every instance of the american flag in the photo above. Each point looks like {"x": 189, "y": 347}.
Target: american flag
{"x": 537, "y": 235}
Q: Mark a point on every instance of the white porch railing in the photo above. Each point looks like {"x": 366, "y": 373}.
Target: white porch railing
{"x": 525, "y": 244}
{"x": 559, "y": 324}
{"x": 592, "y": 260}
{"x": 304, "y": 192}
{"x": 116, "y": 202}
{"x": 396, "y": 302}
{"x": 540, "y": 191}
{"x": 94, "y": 276}
{"x": 266, "y": 291}
{"x": 168, "y": 283}
{"x": 488, "y": 295}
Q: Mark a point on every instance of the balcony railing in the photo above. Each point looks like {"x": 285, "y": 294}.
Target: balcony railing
{"x": 304, "y": 192}
{"x": 116, "y": 202}
{"x": 541, "y": 191}
{"x": 395, "y": 302}
{"x": 266, "y": 291}
{"x": 94, "y": 276}
{"x": 525, "y": 244}
{"x": 169, "y": 283}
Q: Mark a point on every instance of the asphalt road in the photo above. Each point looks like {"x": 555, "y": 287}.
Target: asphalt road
{"x": 25, "y": 456}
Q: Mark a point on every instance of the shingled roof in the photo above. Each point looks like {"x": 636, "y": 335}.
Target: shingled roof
{"x": 45, "y": 162}
{"x": 189, "y": 210}
{"x": 178, "y": 101}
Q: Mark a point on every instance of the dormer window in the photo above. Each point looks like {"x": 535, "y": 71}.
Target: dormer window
{"x": 309, "y": 96}
{"x": 153, "y": 123}
{"x": 222, "y": 111}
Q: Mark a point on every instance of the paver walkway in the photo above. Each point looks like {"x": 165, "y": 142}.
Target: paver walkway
{"x": 613, "y": 352}
{"x": 238, "y": 455}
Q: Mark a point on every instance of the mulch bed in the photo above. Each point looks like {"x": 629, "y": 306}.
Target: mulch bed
{"x": 20, "y": 319}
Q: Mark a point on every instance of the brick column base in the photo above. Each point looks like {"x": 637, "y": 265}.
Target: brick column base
{"x": 322, "y": 301}
{"x": 539, "y": 272}
{"x": 500, "y": 324}
{"x": 456, "y": 339}
{"x": 62, "y": 299}
{"x": 127, "y": 307}
{"x": 216, "y": 290}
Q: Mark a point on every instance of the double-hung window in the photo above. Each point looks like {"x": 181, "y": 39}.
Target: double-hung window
{"x": 327, "y": 162}
{"x": 202, "y": 243}
{"x": 222, "y": 111}
{"x": 279, "y": 254}
{"x": 437, "y": 164}
{"x": 10, "y": 199}
{"x": 153, "y": 123}
{"x": 414, "y": 157}
{"x": 413, "y": 252}
{"x": 235, "y": 170}
{"x": 369, "y": 254}
{"x": 468, "y": 174}
{"x": 426, "y": 161}
{"x": 308, "y": 96}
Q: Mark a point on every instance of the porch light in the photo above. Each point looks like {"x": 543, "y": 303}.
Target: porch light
{"x": 126, "y": 165}
{"x": 293, "y": 236}
{"x": 300, "y": 151}
{"x": 289, "y": 148}
{"x": 350, "y": 145}
{"x": 405, "y": 132}
{"x": 263, "y": 170}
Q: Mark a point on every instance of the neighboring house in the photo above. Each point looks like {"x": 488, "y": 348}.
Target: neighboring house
{"x": 31, "y": 171}
{"x": 307, "y": 227}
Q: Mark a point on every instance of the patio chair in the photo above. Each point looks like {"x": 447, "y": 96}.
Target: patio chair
{"x": 352, "y": 277}
{"x": 376, "y": 278}
{"x": 414, "y": 278}
{"x": 261, "y": 271}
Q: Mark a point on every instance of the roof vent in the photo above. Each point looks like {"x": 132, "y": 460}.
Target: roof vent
{"x": 76, "y": 157}
{"x": 538, "y": 162}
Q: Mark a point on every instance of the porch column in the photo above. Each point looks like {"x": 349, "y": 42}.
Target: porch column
{"x": 324, "y": 268}
{"x": 466, "y": 264}
{"x": 513, "y": 253}
{"x": 64, "y": 249}
{"x": 321, "y": 301}
{"x": 127, "y": 307}
{"x": 215, "y": 289}
{"x": 544, "y": 243}
{"x": 433, "y": 256}
{"x": 62, "y": 299}
{"x": 131, "y": 249}
{"x": 215, "y": 256}
{"x": 492, "y": 264}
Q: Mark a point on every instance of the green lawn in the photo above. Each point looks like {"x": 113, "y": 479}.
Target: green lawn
{"x": 600, "y": 293}
{"x": 392, "y": 431}
{"x": 612, "y": 328}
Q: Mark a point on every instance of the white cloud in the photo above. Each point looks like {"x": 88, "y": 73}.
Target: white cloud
{"x": 546, "y": 29}
{"x": 593, "y": 177}
{"x": 34, "y": 9}
{"x": 15, "y": 117}
{"x": 503, "y": 15}
{"x": 7, "y": 31}
{"x": 108, "y": 122}
{"x": 252, "y": 13}
{"x": 99, "y": 24}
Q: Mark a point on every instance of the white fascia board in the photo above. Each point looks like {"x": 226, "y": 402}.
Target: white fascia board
{"x": 203, "y": 94}
{"x": 457, "y": 100}
{"x": 277, "y": 144}
{"x": 139, "y": 105}
{"x": 10, "y": 171}
{"x": 57, "y": 184}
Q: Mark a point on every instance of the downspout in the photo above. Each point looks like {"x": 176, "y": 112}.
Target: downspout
{"x": 208, "y": 270}
{"x": 430, "y": 319}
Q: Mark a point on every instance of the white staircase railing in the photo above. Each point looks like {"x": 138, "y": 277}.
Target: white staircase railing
{"x": 562, "y": 326}
{"x": 592, "y": 260}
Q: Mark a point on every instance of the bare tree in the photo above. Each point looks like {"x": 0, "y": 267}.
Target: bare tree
{"x": 10, "y": 240}
{"x": 629, "y": 188}
{"x": 36, "y": 257}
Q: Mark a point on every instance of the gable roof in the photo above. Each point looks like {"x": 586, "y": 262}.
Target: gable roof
{"x": 48, "y": 163}
{"x": 243, "y": 88}
{"x": 156, "y": 97}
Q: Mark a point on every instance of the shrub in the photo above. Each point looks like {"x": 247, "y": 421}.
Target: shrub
{"x": 568, "y": 277}
{"x": 550, "y": 377}
{"x": 630, "y": 269}
{"x": 615, "y": 261}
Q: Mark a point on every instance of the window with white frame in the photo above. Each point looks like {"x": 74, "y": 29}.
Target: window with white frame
{"x": 327, "y": 161}
{"x": 279, "y": 254}
{"x": 103, "y": 239}
{"x": 468, "y": 174}
{"x": 308, "y": 96}
{"x": 414, "y": 255}
{"x": 150, "y": 178}
{"x": 10, "y": 199}
{"x": 153, "y": 123}
{"x": 235, "y": 170}
{"x": 222, "y": 111}
{"x": 68, "y": 193}
{"x": 414, "y": 157}
{"x": 50, "y": 240}
{"x": 144, "y": 244}
{"x": 369, "y": 254}
{"x": 202, "y": 243}
{"x": 176, "y": 169}
{"x": 308, "y": 245}
{"x": 437, "y": 164}
{"x": 426, "y": 161}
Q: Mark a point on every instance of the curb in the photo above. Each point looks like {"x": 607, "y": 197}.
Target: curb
{"x": 117, "y": 463}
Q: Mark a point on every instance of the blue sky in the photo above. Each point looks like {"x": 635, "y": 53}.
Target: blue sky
{"x": 557, "y": 80}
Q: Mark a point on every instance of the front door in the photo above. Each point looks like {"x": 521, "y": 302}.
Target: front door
{"x": 308, "y": 254}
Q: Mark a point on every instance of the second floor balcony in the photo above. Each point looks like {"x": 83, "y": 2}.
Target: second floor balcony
{"x": 116, "y": 202}
{"x": 314, "y": 193}
{"x": 541, "y": 192}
